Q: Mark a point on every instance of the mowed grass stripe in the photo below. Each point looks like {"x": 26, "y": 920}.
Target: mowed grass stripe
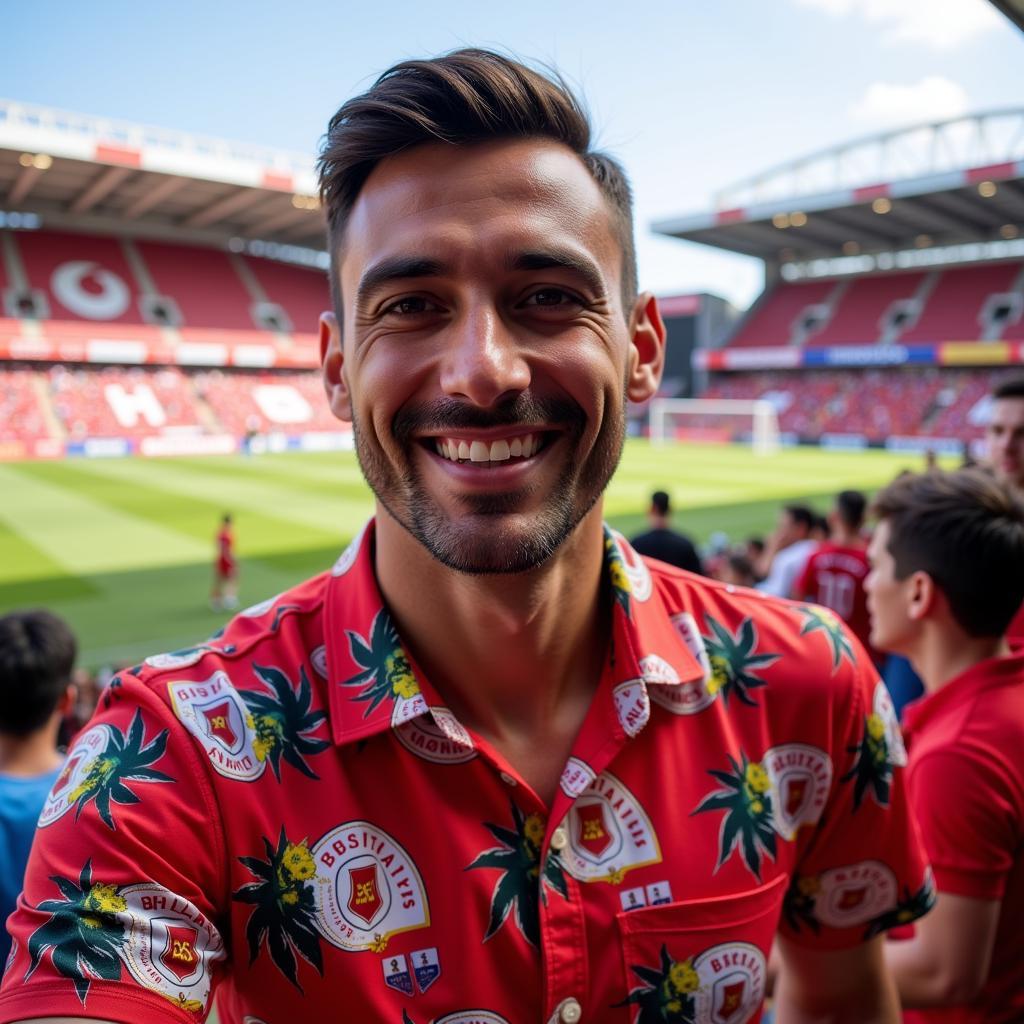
{"x": 332, "y": 473}
{"x": 321, "y": 516}
{"x": 82, "y": 534}
{"x": 29, "y": 576}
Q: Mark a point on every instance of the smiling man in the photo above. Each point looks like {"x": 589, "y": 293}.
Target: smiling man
{"x": 492, "y": 767}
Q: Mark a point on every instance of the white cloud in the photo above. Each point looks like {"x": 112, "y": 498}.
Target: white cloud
{"x": 937, "y": 24}
{"x": 887, "y": 104}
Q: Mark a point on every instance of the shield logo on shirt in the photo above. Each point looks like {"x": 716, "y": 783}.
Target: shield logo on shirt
{"x": 730, "y": 1000}
{"x": 218, "y": 723}
{"x": 795, "y": 793}
{"x": 853, "y": 897}
{"x": 593, "y": 834}
{"x": 364, "y": 898}
{"x": 180, "y": 960}
{"x": 69, "y": 769}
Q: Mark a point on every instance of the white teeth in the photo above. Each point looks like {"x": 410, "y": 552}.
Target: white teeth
{"x": 523, "y": 446}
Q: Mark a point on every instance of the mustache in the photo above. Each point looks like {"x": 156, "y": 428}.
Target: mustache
{"x": 519, "y": 410}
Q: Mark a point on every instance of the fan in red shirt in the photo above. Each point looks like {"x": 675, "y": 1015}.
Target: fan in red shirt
{"x": 947, "y": 576}
{"x": 834, "y": 574}
{"x": 225, "y": 569}
{"x": 1004, "y": 436}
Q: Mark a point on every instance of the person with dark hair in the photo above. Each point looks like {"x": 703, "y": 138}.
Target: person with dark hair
{"x": 788, "y": 549}
{"x": 834, "y": 574}
{"x": 37, "y": 656}
{"x": 1004, "y": 437}
{"x": 947, "y": 575}
{"x": 493, "y": 765}
{"x": 664, "y": 543}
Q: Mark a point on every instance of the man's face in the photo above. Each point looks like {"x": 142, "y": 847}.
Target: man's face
{"x": 486, "y": 356}
{"x": 887, "y": 596}
{"x": 1005, "y": 437}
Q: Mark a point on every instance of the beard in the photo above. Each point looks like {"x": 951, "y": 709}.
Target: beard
{"x": 492, "y": 536}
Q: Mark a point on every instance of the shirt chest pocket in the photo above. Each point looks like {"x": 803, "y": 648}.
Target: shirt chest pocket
{"x": 700, "y": 961}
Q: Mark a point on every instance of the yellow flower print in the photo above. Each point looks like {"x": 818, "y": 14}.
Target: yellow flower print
{"x": 757, "y": 778}
{"x": 104, "y": 900}
{"x": 809, "y": 885}
{"x": 91, "y": 922}
{"x": 379, "y": 943}
{"x": 180, "y": 1000}
{"x": 403, "y": 682}
{"x": 99, "y": 771}
{"x": 290, "y": 898}
{"x": 719, "y": 673}
{"x": 533, "y": 829}
{"x": 298, "y": 861}
{"x": 617, "y": 571}
{"x": 876, "y": 727}
{"x": 269, "y": 732}
{"x": 683, "y": 977}
{"x": 674, "y": 1006}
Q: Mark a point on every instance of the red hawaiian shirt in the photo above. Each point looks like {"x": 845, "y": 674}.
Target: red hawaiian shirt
{"x": 290, "y": 816}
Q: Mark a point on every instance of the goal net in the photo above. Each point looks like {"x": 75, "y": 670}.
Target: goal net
{"x": 760, "y": 417}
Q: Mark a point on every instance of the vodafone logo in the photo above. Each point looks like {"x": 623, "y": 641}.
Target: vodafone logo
{"x": 90, "y": 291}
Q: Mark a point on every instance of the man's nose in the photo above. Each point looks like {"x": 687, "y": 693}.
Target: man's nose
{"x": 483, "y": 359}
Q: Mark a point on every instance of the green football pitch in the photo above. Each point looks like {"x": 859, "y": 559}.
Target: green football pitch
{"x": 123, "y": 548}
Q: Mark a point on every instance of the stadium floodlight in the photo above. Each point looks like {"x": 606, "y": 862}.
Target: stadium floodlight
{"x": 761, "y": 413}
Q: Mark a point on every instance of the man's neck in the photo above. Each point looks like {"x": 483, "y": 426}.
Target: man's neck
{"x": 35, "y": 754}
{"x": 846, "y": 538}
{"x": 945, "y": 652}
{"x": 506, "y": 651}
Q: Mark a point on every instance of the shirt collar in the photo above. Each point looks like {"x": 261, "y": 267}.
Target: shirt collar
{"x": 983, "y": 676}
{"x": 375, "y": 684}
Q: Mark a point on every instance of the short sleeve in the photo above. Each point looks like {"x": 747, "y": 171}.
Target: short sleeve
{"x": 126, "y": 877}
{"x": 862, "y": 870}
{"x": 804, "y": 587}
{"x": 965, "y": 810}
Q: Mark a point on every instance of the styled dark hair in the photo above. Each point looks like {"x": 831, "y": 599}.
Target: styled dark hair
{"x": 1012, "y": 387}
{"x": 37, "y": 655}
{"x": 800, "y": 514}
{"x": 464, "y": 97}
{"x": 660, "y": 503}
{"x": 966, "y": 530}
{"x": 851, "y": 506}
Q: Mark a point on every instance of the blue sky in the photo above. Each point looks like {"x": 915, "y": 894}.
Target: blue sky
{"x": 691, "y": 95}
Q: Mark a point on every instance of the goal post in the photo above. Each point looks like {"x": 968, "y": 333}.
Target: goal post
{"x": 761, "y": 414}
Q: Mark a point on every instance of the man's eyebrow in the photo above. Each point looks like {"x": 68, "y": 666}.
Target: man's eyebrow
{"x": 396, "y": 268}
{"x": 560, "y": 259}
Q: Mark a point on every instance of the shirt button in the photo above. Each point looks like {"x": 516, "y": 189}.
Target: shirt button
{"x": 571, "y": 1011}
{"x": 559, "y": 841}
{"x": 509, "y": 780}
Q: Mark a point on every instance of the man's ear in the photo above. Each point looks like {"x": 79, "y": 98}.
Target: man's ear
{"x": 646, "y": 351}
{"x": 332, "y": 359}
{"x": 923, "y": 596}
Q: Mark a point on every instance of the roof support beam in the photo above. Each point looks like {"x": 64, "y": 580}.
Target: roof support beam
{"x": 101, "y": 187}
{"x": 157, "y": 194}
{"x": 236, "y": 200}
{"x": 23, "y": 184}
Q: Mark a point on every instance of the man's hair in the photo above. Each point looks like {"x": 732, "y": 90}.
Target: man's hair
{"x": 851, "y": 507}
{"x": 465, "y": 97}
{"x": 1012, "y": 387}
{"x": 660, "y": 503}
{"x": 37, "y": 655}
{"x": 800, "y": 514}
{"x": 966, "y": 530}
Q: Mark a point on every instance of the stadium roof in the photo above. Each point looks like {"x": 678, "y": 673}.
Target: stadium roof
{"x": 950, "y": 183}
{"x": 1013, "y": 9}
{"x": 93, "y": 174}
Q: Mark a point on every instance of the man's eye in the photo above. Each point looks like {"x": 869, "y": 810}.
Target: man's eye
{"x": 410, "y": 306}
{"x": 552, "y": 297}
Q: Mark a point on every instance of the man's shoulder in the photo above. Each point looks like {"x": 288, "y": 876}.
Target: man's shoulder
{"x": 278, "y": 628}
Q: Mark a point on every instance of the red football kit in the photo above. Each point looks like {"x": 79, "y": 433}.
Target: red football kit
{"x": 291, "y": 816}
{"x": 1015, "y": 631}
{"x": 225, "y": 552}
{"x": 966, "y": 782}
{"x": 834, "y": 577}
